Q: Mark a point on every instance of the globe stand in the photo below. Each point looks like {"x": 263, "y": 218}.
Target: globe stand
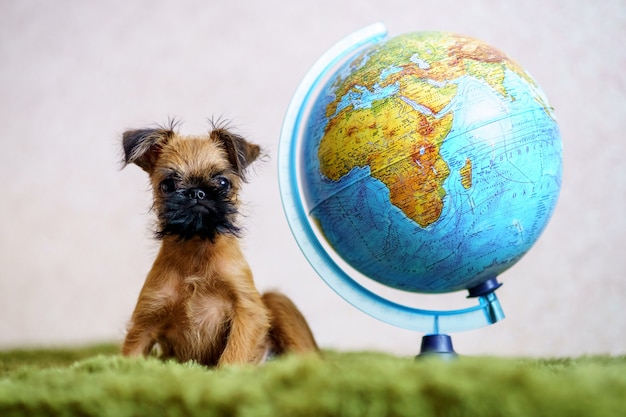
{"x": 440, "y": 345}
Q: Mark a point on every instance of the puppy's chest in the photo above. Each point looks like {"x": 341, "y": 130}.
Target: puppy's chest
{"x": 198, "y": 305}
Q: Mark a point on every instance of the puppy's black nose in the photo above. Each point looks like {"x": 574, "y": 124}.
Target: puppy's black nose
{"x": 196, "y": 194}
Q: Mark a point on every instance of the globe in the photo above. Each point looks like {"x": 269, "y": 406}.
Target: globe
{"x": 429, "y": 162}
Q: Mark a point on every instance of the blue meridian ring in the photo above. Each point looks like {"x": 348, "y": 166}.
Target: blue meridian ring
{"x": 488, "y": 310}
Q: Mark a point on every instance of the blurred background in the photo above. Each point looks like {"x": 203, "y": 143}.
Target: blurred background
{"x": 75, "y": 229}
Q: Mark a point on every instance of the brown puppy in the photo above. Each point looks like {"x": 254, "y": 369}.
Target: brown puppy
{"x": 199, "y": 301}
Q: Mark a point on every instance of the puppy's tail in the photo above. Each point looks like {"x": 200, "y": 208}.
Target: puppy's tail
{"x": 289, "y": 330}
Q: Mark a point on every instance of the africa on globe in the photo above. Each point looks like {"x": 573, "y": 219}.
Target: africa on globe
{"x": 430, "y": 162}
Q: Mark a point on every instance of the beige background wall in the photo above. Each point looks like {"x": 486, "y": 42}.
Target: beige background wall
{"x": 75, "y": 242}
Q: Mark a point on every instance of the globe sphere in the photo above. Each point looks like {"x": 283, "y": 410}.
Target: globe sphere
{"x": 430, "y": 162}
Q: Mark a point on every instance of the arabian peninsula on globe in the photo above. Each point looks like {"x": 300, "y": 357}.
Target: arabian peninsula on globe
{"x": 431, "y": 162}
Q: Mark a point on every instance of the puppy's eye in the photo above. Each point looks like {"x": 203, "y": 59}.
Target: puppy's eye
{"x": 222, "y": 183}
{"x": 168, "y": 185}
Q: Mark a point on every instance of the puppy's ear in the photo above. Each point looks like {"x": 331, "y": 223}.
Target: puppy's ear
{"x": 240, "y": 152}
{"x": 143, "y": 146}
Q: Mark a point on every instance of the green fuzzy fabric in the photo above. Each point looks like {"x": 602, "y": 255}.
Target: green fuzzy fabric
{"x": 97, "y": 381}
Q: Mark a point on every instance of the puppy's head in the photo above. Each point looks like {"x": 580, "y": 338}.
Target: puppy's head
{"x": 195, "y": 179}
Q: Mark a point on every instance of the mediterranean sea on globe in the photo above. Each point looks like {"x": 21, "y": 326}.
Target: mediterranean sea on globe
{"x": 431, "y": 162}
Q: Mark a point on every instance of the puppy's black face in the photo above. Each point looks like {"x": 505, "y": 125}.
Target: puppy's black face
{"x": 197, "y": 208}
{"x": 195, "y": 179}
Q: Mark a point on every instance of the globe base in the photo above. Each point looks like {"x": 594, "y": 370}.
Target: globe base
{"x": 437, "y": 345}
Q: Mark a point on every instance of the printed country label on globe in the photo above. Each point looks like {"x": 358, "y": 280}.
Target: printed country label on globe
{"x": 431, "y": 162}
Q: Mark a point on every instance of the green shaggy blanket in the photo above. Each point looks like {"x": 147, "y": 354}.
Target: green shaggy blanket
{"x": 97, "y": 381}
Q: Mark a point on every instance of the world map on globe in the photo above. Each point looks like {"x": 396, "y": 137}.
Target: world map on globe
{"x": 431, "y": 162}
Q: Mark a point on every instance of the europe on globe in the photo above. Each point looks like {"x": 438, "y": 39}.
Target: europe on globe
{"x": 430, "y": 162}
